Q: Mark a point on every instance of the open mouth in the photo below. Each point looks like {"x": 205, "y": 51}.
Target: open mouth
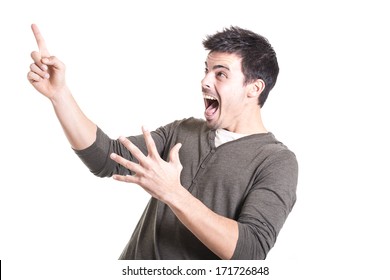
{"x": 211, "y": 104}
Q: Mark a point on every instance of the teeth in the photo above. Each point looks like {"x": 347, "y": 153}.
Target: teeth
{"x": 209, "y": 97}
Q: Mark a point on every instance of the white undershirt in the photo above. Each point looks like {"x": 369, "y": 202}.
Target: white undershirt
{"x": 223, "y": 136}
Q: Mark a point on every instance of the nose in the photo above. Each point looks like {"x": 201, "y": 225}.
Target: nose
{"x": 206, "y": 81}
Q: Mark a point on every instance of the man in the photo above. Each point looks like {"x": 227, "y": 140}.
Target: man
{"x": 221, "y": 187}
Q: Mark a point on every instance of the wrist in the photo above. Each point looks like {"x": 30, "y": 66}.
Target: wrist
{"x": 176, "y": 199}
{"x": 59, "y": 95}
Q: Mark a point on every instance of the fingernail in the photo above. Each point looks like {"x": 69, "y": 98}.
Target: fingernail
{"x": 45, "y": 60}
{"x": 145, "y": 128}
{"x": 47, "y": 76}
{"x": 113, "y": 156}
{"x": 44, "y": 67}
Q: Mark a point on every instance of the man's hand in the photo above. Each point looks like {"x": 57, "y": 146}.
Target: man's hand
{"x": 159, "y": 178}
{"x": 47, "y": 73}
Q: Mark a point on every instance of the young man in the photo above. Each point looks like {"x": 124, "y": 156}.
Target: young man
{"x": 221, "y": 187}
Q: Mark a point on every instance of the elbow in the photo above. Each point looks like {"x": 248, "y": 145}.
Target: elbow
{"x": 253, "y": 243}
{"x": 108, "y": 172}
{"x": 100, "y": 173}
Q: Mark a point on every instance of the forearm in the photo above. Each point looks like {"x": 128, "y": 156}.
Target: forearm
{"x": 218, "y": 233}
{"x": 79, "y": 130}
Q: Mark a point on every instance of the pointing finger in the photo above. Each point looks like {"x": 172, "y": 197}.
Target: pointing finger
{"x": 40, "y": 41}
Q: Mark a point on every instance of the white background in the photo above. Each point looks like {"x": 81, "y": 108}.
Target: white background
{"x": 131, "y": 63}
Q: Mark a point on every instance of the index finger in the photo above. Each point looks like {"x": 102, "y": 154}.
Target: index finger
{"x": 40, "y": 41}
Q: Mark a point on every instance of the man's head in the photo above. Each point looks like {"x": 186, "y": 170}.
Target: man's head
{"x": 258, "y": 57}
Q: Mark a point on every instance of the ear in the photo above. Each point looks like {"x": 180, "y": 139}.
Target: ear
{"x": 256, "y": 88}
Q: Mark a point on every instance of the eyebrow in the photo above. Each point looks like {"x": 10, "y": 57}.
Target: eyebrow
{"x": 218, "y": 66}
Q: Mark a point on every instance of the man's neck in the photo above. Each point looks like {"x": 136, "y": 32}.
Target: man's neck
{"x": 251, "y": 124}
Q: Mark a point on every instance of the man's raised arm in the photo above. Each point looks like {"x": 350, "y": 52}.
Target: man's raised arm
{"x": 47, "y": 75}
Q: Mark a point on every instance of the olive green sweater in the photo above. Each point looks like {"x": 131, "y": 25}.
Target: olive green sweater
{"x": 251, "y": 180}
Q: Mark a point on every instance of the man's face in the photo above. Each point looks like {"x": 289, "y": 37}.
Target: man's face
{"x": 224, "y": 91}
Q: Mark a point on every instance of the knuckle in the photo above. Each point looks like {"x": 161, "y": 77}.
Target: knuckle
{"x": 35, "y": 56}
{"x": 127, "y": 164}
{"x": 33, "y": 67}
{"x": 180, "y": 167}
{"x": 128, "y": 178}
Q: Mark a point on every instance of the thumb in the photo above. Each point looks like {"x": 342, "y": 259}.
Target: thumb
{"x": 53, "y": 61}
{"x": 174, "y": 154}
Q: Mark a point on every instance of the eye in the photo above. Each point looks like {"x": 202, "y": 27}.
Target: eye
{"x": 221, "y": 74}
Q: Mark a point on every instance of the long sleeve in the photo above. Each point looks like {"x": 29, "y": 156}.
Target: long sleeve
{"x": 96, "y": 157}
{"x": 267, "y": 206}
